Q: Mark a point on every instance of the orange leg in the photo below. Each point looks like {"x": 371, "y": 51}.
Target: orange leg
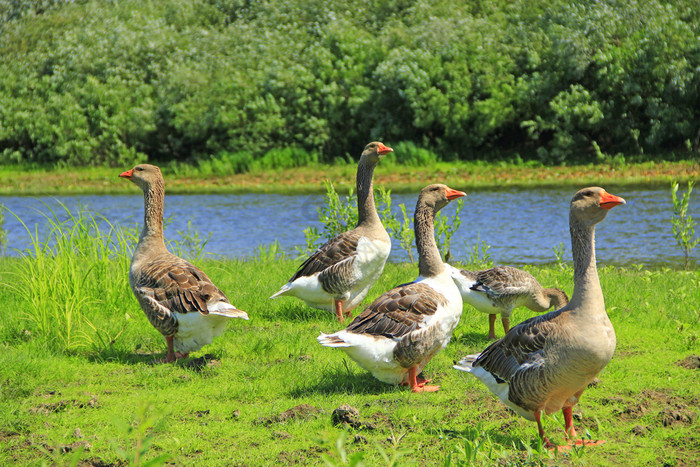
{"x": 540, "y": 430}
{"x": 339, "y": 310}
{"x": 571, "y": 431}
{"x": 419, "y": 385}
{"x": 492, "y": 327}
{"x": 170, "y": 356}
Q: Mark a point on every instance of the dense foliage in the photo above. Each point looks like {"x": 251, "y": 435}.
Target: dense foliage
{"x": 104, "y": 82}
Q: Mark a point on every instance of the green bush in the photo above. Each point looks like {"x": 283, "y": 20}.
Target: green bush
{"x": 292, "y": 82}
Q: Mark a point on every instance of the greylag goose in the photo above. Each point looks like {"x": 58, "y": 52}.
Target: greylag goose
{"x": 178, "y": 299}
{"x": 546, "y": 362}
{"x": 398, "y": 334}
{"x": 501, "y": 289}
{"x": 338, "y": 275}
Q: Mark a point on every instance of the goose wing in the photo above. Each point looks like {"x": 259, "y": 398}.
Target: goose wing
{"x": 340, "y": 249}
{"x": 398, "y": 311}
{"x": 179, "y": 286}
{"x": 503, "y": 280}
{"x": 522, "y": 347}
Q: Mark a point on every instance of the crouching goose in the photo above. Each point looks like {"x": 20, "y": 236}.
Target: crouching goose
{"x": 338, "y": 275}
{"x": 545, "y": 363}
{"x": 178, "y": 299}
{"x": 398, "y": 334}
{"x": 501, "y": 289}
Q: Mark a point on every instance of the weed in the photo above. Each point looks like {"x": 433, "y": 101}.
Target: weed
{"x": 479, "y": 256}
{"x": 139, "y": 436}
{"x": 446, "y": 227}
{"x": 3, "y": 232}
{"x": 403, "y": 232}
{"x": 192, "y": 243}
{"x": 342, "y": 456}
{"x": 559, "y": 251}
{"x": 683, "y": 224}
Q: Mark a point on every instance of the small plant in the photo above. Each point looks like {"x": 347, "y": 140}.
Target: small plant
{"x": 138, "y": 436}
{"x": 683, "y": 224}
{"x": 559, "y": 251}
{"x": 479, "y": 256}
{"x": 3, "y": 232}
{"x": 337, "y": 216}
{"x": 344, "y": 460}
{"x": 191, "y": 244}
{"x": 312, "y": 237}
{"x": 403, "y": 232}
{"x": 446, "y": 227}
{"x": 269, "y": 253}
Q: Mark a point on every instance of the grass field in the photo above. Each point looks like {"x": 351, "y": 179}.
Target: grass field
{"x": 78, "y": 387}
{"x": 390, "y": 174}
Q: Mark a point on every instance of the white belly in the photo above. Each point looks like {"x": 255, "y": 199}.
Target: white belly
{"x": 196, "y": 330}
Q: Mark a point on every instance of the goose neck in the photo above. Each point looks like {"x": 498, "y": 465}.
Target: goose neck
{"x": 429, "y": 262}
{"x": 586, "y": 282}
{"x": 152, "y": 233}
{"x": 366, "y": 209}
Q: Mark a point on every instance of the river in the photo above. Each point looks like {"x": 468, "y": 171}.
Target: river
{"x": 521, "y": 226}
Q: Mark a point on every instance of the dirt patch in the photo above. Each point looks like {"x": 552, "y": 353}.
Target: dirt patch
{"x": 670, "y": 410}
{"x": 299, "y": 412}
{"x": 347, "y": 415}
{"x": 66, "y": 448}
{"x": 680, "y": 414}
{"x": 59, "y": 406}
{"x": 691, "y": 362}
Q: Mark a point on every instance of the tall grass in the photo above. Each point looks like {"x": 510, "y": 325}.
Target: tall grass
{"x": 66, "y": 274}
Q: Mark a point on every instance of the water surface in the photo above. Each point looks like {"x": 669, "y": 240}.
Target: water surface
{"x": 521, "y": 226}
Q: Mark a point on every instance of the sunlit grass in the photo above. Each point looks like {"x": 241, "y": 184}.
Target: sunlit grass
{"x": 227, "y": 413}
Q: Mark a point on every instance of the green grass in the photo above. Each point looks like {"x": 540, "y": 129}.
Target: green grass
{"x": 100, "y": 400}
{"x": 391, "y": 173}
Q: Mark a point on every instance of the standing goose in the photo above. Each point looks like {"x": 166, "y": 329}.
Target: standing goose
{"x": 501, "y": 289}
{"x": 178, "y": 299}
{"x": 546, "y": 362}
{"x": 398, "y": 334}
{"x": 338, "y": 275}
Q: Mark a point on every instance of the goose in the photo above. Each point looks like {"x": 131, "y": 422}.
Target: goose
{"x": 545, "y": 363}
{"x": 338, "y": 276}
{"x": 398, "y": 334}
{"x": 501, "y": 289}
{"x": 178, "y": 299}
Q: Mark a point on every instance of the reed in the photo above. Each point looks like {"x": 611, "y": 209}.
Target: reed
{"x": 76, "y": 267}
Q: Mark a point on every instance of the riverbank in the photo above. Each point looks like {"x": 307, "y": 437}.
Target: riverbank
{"x": 264, "y": 392}
{"x": 16, "y": 180}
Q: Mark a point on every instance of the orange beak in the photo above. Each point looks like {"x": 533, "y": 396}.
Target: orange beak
{"x": 608, "y": 201}
{"x": 127, "y": 174}
{"x": 382, "y": 150}
{"x": 453, "y": 194}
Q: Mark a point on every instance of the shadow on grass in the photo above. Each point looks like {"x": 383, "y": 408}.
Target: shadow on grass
{"x": 346, "y": 384}
{"x": 475, "y": 340}
{"x": 124, "y": 357}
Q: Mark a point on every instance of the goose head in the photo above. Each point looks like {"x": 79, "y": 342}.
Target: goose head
{"x": 374, "y": 152}
{"x": 437, "y": 196}
{"x": 591, "y": 205}
{"x": 143, "y": 175}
